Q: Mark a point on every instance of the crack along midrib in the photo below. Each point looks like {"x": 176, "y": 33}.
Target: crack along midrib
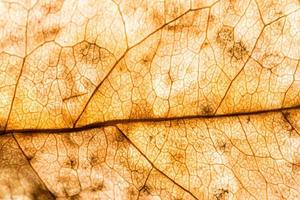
{"x": 145, "y": 120}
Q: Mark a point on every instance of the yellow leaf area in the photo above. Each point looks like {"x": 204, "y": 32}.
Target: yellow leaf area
{"x": 136, "y": 99}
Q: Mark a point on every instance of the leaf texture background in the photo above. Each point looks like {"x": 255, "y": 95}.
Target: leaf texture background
{"x": 126, "y": 99}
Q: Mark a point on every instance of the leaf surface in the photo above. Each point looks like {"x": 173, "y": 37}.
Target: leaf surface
{"x": 149, "y": 99}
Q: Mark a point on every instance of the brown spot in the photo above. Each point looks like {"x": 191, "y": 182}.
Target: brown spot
{"x": 296, "y": 168}
{"x": 238, "y": 51}
{"x": 98, "y": 187}
{"x": 207, "y": 110}
{"x": 120, "y": 136}
{"x": 40, "y": 193}
{"x": 87, "y": 52}
{"x": 131, "y": 193}
{"x": 157, "y": 18}
{"x": 96, "y": 160}
{"x": 205, "y": 44}
{"x": 51, "y": 33}
{"x": 222, "y": 147}
{"x": 150, "y": 137}
{"x": 145, "y": 190}
{"x": 91, "y": 53}
{"x": 287, "y": 124}
{"x": 248, "y": 119}
{"x": 75, "y": 197}
{"x": 122, "y": 67}
{"x": 68, "y": 140}
{"x": 225, "y": 35}
{"x": 211, "y": 18}
{"x": 30, "y": 152}
{"x": 46, "y": 34}
{"x": 30, "y": 157}
{"x": 271, "y": 60}
{"x": 176, "y": 27}
{"x": 186, "y": 22}
{"x": 147, "y": 59}
{"x": 220, "y": 194}
{"x": 71, "y": 163}
{"x": 286, "y": 116}
{"x": 52, "y": 7}
{"x": 177, "y": 156}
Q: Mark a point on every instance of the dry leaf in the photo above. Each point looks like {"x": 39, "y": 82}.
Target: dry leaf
{"x": 136, "y": 99}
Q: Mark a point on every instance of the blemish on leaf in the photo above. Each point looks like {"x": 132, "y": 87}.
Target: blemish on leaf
{"x": 70, "y": 163}
{"x": 120, "y": 137}
{"x": 131, "y": 193}
{"x": 67, "y": 139}
{"x": 150, "y": 137}
{"x": 91, "y": 53}
{"x": 248, "y": 119}
{"x": 145, "y": 190}
{"x": 186, "y": 22}
{"x": 39, "y": 193}
{"x": 47, "y": 34}
{"x": 96, "y": 160}
{"x": 98, "y": 187}
{"x": 296, "y": 168}
{"x": 238, "y": 51}
{"x": 50, "y": 33}
{"x": 286, "y": 116}
{"x": 225, "y": 35}
{"x": 271, "y": 60}
{"x": 52, "y": 7}
{"x": 177, "y": 156}
{"x": 220, "y": 194}
{"x": 222, "y": 147}
{"x": 287, "y": 124}
{"x": 207, "y": 110}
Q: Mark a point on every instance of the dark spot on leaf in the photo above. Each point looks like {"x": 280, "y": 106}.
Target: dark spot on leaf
{"x": 286, "y": 116}
{"x": 150, "y": 137}
{"x": 40, "y": 193}
{"x": 222, "y": 147}
{"x": 221, "y": 194}
{"x": 71, "y": 163}
{"x": 98, "y": 187}
{"x": 52, "y": 7}
{"x": 131, "y": 193}
{"x": 296, "y": 168}
{"x": 175, "y": 27}
{"x": 67, "y": 139}
{"x": 95, "y": 160}
{"x": 177, "y": 156}
{"x": 120, "y": 137}
{"x": 225, "y": 35}
{"x": 287, "y": 125}
{"x": 238, "y": 51}
{"x": 75, "y": 197}
{"x": 186, "y": 23}
{"x": 29, "y": 157}
{"x": 248, "y": 119}
{"x": 145, "y": 190}
{"x": 91, "y": 53}
{"x": 207, "y": 110}
{"x": 50, "y": 33}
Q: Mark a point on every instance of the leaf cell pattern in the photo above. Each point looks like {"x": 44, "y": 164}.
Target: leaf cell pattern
{"x": 150, "y": 99}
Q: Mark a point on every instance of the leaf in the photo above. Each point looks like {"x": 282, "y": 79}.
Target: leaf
{"x": 149, "y": 100}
